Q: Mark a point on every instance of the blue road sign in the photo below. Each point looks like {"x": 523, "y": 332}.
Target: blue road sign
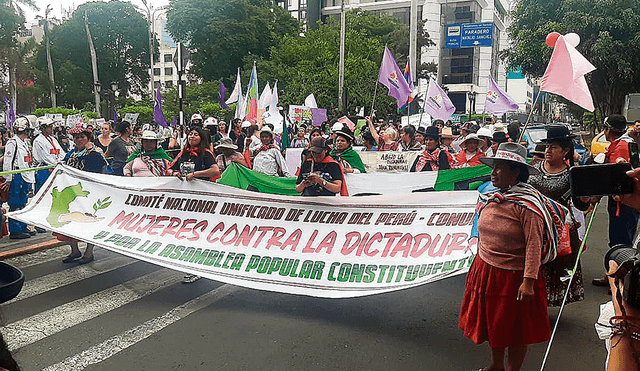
{"x": 468, "y": 35}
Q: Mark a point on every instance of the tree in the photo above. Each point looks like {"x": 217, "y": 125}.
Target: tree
{"x": 309, "y": 64}
{"x": 45, "y": 25}
{"x": 120, "y": 37}
{"x": 222, "y": 32}
{"x": 610, "y": 34}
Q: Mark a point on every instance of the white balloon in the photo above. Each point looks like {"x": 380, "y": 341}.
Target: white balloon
{"x": 572, "y": 39}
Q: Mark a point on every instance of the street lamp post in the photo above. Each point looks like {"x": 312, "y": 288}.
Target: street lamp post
{"x": 151, "y": 19}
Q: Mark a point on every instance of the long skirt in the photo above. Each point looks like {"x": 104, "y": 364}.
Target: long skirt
{"x": 491, "y": 312}
{"x": 557, "y": 280}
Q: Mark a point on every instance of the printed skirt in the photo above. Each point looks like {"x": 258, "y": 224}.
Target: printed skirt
{"x": 491, "y": 312}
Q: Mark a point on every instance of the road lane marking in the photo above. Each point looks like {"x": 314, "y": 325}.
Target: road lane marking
{"x": 78, "y": 273}
{"x": 114, "y": 345}
{"x": 45, "y": 256}
{"x": 52, "y": 321}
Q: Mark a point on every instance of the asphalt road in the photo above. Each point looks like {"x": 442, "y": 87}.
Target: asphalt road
{"x": 120, "y": 314}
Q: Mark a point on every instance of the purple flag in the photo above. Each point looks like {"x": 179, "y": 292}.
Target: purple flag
{"x": 497, "y": 101}
{"x": 391, "y": 77}
{"x": 437, "y": 103}
{"x": 223, "y": 91}
{"x": 318, "y": 116}
{"x": 158, "y": 116}
{"x": 174, "y": 122}
{"x": 11, "y": 116}
{"x": 115, "y": 118}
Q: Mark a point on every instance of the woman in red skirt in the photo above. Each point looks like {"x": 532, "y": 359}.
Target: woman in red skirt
{"x": 505, "y": 300}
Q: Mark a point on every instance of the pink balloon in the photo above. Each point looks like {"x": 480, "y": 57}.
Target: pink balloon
{"x": 552, "y": 38}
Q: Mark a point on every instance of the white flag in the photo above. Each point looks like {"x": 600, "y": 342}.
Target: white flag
{"x": 240, "y": 107}
{"x": 236, "y": 94}
{"x": 273, "y": 105}
{"x": 265, "y": 97}
{"x": 310, "y": 101}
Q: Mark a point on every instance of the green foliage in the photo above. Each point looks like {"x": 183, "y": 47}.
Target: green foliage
{"x": 224, "y": 31}
{"x": 309, "y": 64}
{"x": 121, "y": 41}
{"x": 610, "y": 34}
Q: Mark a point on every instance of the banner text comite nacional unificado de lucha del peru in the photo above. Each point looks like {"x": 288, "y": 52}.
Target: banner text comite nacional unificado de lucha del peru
{"x": 319, "y": 246}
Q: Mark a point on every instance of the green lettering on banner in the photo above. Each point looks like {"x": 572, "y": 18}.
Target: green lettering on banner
{"x": 199, "y": 256}
{"x": 370, "y": 273}
{"x": 332, "y": 268}
{"x": 101, "y": 235}
{"x": 211, "y": 258}
{"x": 305, "y": 269}
{"x": 187, "y": 254}
{"x": 153, "y": 248}
{"x": 177, "y": 251}
{"x": 356, "y": 273}
{"x": 237, "y": 262}
{"x": 167, "y": 250}
{"x": 253, "y": 263}
{"x": 316, "y": 273}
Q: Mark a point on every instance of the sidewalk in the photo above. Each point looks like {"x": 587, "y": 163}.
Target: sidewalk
{"x": 42, "y": 241}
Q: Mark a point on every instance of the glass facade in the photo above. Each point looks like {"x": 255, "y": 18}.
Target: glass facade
{"x": 460, "y": 66}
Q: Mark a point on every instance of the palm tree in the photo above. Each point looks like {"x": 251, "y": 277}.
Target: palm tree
{"x": 45, "y": 24}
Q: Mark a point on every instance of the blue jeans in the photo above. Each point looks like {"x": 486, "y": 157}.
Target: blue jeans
{"x": 622, "y": 228}
{"x": 41, "y": 177}
{"x": 18, "y": 191}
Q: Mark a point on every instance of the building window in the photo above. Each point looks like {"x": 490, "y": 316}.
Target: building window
{"x": 168, "y": 58}
{"x": 168, "y": 84}
{"x": 156, "y": 59}
{"x": 156, "y": 72}
{"x": 168, "y": 70}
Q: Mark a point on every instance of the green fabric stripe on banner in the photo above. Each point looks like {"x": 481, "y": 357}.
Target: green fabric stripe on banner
{"x": 447, "y": 179}
{"x": 240, "y": 177}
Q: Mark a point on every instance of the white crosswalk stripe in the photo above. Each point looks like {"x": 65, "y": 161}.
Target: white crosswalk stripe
{"x": 114, "y": 345}
{"x": 37, "y": 327}
{"x": 68, "y": 276}
{"x": 40, "y": 257}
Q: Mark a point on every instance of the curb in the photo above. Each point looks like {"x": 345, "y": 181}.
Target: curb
{"x": 30, "y": 249}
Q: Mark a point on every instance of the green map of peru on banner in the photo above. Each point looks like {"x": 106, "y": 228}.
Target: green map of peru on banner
{"x": 319, "y": 246}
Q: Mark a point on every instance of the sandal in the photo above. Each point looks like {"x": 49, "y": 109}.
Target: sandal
{"x": 72, "y": 258}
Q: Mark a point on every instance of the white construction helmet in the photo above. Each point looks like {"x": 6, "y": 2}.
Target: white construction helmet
{"x": 211, "y": 121}
{"x": 196, "y": 116}
{"x": 21, "y": 124}
{"x": 42, "y": 121}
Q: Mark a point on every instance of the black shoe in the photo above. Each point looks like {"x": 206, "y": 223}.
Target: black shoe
{"x": 19, "y": 236}
{"x": 600, "y": 281}
{"x": 41, "y": 230}
{"x": 72, "y": 258}
{"x": 85, "y": 260}
{"x": 31, "y": 233}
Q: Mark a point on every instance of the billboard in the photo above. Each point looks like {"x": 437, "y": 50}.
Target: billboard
{"x": 468, "y": 35}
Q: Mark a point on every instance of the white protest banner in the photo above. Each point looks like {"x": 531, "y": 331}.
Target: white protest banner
{"x": 388, "y": 161}
{"x": 131, "y": 117}
{"x": 293, "y": 158}
{"x": 56, "y": 117}
{"x": 299, "y": 113}
{"x": 319, "y": 246}
{"x": 390, "y": 183}
{"x": 416, "y": 120}
{"x": 100, "y": 121}
{"x": 73, "y": 120}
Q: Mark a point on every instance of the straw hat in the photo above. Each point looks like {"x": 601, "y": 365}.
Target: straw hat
{"x": 447, "y": 133}
{"x": 226, "y": 143}
{"x": 511, "y": 152}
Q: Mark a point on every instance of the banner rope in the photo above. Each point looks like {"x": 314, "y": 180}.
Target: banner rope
{"x": 566, "y": 294}
{"x": 11, "y": 172}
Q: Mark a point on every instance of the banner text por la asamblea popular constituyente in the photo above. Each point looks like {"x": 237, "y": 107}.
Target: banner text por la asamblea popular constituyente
{"x": 322, "y": 246}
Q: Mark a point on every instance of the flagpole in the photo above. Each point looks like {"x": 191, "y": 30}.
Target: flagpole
{"x": 529, "y": 118}
{"x": 375, "y": 91}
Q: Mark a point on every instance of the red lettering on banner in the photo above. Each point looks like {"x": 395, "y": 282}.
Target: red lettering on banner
{"x": 391, "y": 237}
{"x": 327, "y": 242}
{"x": 202, "y": 225}
{"x": 377, "y": 237}
{"x": 432, "y": 249}
{"x": 246, "y": 236}
{"x": 346, "y": 250}
{"x": 307, "y": 248}
{"x": 292, "y": 240}
{"x": 130, "y": 226}
{"x": 233, "y": 228}
{"x": 456, "y": 243}
{"x": 217, "y": 228}
{"x": 157, "y": 225}
{"x": 184, "y": 228}
{"x": 120, "y": 219}
{"x": 430, "y": 222}
{"x": 171, "y": 228}
{"x": 403, "y": 246}
{"x": 275, "y": 238}
{"x": 263, "y": 231}
{"x": 416, "y": 252}
{"x": 152, "y": 219}
{"x": 362, "y": 243}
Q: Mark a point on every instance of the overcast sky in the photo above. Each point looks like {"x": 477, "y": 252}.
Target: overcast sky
{"x": 57, "y": 4}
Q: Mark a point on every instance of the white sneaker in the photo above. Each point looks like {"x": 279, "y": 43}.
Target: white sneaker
{"x": 190, "y": 278}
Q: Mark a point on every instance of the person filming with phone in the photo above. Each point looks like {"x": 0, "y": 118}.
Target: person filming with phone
{"x": 320, "y": 175}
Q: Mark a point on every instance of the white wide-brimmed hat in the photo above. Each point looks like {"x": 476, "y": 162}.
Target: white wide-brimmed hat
{"x": 512, "y": 152}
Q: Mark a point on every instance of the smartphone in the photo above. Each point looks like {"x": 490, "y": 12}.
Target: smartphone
{"x": 600, "y": 180}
